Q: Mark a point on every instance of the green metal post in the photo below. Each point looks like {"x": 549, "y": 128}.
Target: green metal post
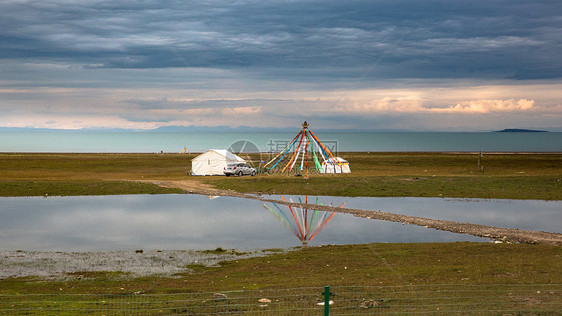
{"x": 327, "y": 300}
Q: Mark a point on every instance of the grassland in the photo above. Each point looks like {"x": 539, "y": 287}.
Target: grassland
{"x": 511, "y": 176}
{"x": 87, "y": 174}
{"x": 516, "y": 176}
{"x": 358, "y": 265}
{"x": 502, "y": 277}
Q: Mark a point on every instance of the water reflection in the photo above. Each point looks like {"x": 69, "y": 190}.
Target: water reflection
{"x": 521, "y": 214}
{"x": 128, "y": 222}
{"x": 303, "y": 225}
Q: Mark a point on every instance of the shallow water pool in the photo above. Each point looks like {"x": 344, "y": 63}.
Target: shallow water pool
{"x": 125, "y": 222}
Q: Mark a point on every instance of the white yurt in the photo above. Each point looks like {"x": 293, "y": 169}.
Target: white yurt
{"x": 335, "y": 165}
{"x": 212, "y": 162}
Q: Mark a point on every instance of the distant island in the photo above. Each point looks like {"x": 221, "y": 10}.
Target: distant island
{"x": 520, "y": 130}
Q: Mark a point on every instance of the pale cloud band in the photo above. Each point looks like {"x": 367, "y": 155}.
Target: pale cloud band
{"x": 175, "y": 108}
{"x": 486, "y": 106}
{"x": 417, "y": 105}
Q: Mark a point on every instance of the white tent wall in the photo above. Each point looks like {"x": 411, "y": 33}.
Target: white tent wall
{"x": 330, "y": 166}
{"x": 213, "y": 162}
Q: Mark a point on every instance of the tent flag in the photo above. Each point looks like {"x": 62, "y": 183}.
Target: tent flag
{"x": 301, "y": 144}
{"x": 297, "y": 150}
{"x": 304, "y": 225}
{"x": 316, "y": 162}
{"x": 304, "y": 154}
{"x": 284, "y": 151}
{"x": 287, "y": 150}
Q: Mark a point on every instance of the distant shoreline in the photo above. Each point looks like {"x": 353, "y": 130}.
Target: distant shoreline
{"x": 520, "y": 130}
{"x": 253, "y": 130}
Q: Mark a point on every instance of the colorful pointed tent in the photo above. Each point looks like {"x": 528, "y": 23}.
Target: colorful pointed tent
{"x": 304, "y": 225}
{"x": 302, "y": 145}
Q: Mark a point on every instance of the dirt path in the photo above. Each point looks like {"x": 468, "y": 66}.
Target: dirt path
{"x": 190, "y": 186}
{"x": 496, "y": 233}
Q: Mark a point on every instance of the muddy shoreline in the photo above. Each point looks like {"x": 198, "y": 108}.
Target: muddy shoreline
{"x": 78, "y": 265}
{"x": 510, "y": 235}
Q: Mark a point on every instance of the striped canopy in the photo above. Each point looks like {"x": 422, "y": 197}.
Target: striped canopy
{"x": 304, "y": 146}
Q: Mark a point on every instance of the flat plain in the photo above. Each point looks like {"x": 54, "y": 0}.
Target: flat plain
{"x": 512, "y": 176}
{"x": 505, "y": 175}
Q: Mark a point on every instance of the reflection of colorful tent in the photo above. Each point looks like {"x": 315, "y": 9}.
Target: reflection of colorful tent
{"x": 303, "y": 225}
{"x": 302, "y": 144}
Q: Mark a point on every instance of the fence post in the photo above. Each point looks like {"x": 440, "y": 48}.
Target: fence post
{"x": 327, "y": 300}
{"x": 480, "y": 167}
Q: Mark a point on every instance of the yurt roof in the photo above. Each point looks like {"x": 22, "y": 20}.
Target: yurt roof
{"x": 339, "y": 159}
{"x": 224, "y": 153}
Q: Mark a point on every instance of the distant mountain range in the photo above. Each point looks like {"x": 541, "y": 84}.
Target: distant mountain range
{"x": 520, "y": 130}
{"x": 191, "y": 129}
{"x": 243, "y": 129}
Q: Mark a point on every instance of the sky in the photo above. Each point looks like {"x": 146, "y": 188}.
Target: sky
{"x": 350, "y": 65}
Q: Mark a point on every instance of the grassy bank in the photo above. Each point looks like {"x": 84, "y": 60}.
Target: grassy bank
{"x": 79, "y": 187}
{"x": 515, "y": 176}
{"x": 88, "y": 174}
{"x": 357, "y": 265}
{"x": 501, "y": 187}
{"x": 450, "y": 278}
{"x": 91, "y": 166}
{"x": 508, "y": 176}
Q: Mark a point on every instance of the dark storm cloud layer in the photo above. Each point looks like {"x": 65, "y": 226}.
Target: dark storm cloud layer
{"x": 304, "y": 39}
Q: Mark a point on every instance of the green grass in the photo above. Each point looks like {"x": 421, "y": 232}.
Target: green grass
{"x": 403, "y": 300}
{"x": 88, "y": 174}
{"x": 79, "y": 187}
{"x": 513, "y": 176}
{"x": 508, "y": 176}
{"x": 502, "y": 187}
{"x": 348, "y": 265}
{"x": 45, "y": 166}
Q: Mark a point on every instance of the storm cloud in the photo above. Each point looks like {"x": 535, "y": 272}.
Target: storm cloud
{"x": 138, "y": 60}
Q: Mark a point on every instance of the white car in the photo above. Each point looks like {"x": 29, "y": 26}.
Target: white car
{"x": 239, "y": 169}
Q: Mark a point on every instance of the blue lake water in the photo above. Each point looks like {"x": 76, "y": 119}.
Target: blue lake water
{"x": 147, "y": 142}
{"x": 102, "y": 223}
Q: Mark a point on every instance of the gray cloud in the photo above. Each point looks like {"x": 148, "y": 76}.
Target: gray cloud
{"x": 340, "y": 64}
{"x": 165, "y": 103}
{"x": 499, "y": 39}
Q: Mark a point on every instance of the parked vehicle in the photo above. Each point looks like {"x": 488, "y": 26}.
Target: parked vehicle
{"x": 239, "y": 169}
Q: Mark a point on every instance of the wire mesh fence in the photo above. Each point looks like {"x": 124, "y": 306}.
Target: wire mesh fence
{"x": 504, "y": 299}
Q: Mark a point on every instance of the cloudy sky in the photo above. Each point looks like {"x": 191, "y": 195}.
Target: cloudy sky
{"x": 376, "y": 65}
